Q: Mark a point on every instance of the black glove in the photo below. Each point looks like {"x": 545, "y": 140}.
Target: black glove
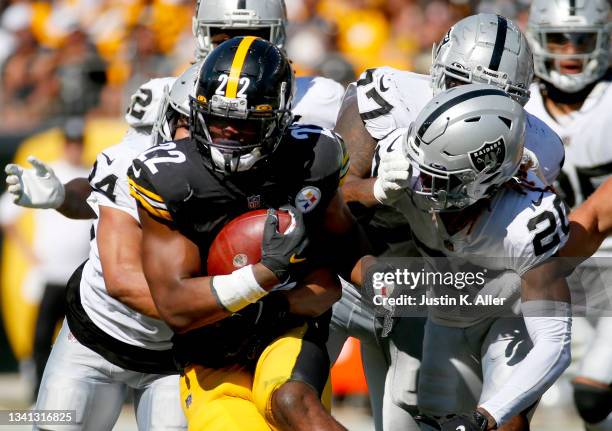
{"x": 281, "y": 253}
{"x": 473, "y": 421}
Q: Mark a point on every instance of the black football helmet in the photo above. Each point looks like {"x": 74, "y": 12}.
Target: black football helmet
{"x": 242, "y": 103}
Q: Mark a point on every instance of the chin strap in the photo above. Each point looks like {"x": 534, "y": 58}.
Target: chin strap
{"x": 559, "y": 96}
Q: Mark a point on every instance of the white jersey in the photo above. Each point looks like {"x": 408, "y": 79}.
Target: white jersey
{"x": 518, "y": 232}
{"x": 588, "y": 153}
{"x": 317, "y": 101}
{"x": 390, "y": 99}
{"x": 109, "y": 181}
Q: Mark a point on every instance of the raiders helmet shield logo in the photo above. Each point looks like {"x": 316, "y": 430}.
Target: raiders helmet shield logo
{"x": 490, "y": 156}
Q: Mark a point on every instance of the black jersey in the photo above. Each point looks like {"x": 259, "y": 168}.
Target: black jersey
{"x": 175, "y": 185}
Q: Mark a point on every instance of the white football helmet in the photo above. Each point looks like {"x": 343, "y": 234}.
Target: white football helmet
{"x": 464, "y": 145}
{"x": 581, "y": 23}
{"x": 234, "y": 17}
{"x": 174, "y": 104}
{"x": 484, "y": 48}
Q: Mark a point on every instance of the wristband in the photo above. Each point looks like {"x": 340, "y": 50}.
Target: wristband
{"x": 238, "y": 289}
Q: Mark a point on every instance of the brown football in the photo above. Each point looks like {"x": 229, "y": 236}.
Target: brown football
{"x": 239, "y": 242}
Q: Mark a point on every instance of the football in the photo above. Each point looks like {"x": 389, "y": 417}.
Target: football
{"x": 239, "y": 242}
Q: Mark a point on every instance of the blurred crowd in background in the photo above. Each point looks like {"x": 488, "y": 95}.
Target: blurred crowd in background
{"x": 61, "y": 58}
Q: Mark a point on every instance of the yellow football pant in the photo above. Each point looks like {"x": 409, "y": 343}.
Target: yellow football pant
{"x": 232, "y": 398}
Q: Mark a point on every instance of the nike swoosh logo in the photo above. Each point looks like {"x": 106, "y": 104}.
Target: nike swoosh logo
{"x": 294, "y": 259}
{"x": 390, "y": 147}
{"x": 539, "y": 201}
{"x": 382, "y": 86}
{"x": 108, "y": 159}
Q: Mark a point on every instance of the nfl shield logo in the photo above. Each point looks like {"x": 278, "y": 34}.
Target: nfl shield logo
{"x": 490, "y": 156}
{"x": 254, "y": 202}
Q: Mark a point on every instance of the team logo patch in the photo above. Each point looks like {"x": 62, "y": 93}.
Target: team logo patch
{"x": 490, "y": 156}
{"x": 307, "y": 199}
{"x": 240, "y": 260}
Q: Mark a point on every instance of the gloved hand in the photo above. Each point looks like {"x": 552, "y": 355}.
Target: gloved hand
{"x": 473, "y": 421}
{"x": 282, "y": 252}
{"x": 34, "y": 188}
{"x": 394, "y": 177}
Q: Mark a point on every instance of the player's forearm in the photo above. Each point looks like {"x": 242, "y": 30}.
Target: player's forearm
{"x": 549, "y": 326}
{"x": 590, "y": 224}
{"x": 75, "y": 204}
{"x": 190, "y": 303}
{"x": 315, "y": 294}
{"x": 129, "y": 286}
{"x": 359, "y": 190}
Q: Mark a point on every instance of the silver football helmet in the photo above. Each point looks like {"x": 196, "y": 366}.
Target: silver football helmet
{"x": 484, "y": 48}
{"x": 234, "y": 17}
{"x": 574, "y": 31}
{"x": 464, "y": 145}
{"x": 175, "y": 104}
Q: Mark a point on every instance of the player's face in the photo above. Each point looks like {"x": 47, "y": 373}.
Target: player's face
{"x": 571, "y": 44}
{"x": 234, "y": 133}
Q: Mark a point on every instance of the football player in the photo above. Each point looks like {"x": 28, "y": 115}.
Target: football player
{"x": 460, "y": 184}
{"x": 571, "y": 45}
{"x": 113, "y": 338}
{"x": 244, "y": 154}
{"x": 482, "y": 48}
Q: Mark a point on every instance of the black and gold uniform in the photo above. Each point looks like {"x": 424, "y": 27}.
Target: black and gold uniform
{"x": 237, "y": 363}
{"x": 175, "y": 185}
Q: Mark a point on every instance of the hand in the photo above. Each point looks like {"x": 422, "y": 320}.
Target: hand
{"x": 473, "y": 421}
{"x": 281, "y": 253}
{"x": 34, "y": 188}
{"x": 394, "y": 175}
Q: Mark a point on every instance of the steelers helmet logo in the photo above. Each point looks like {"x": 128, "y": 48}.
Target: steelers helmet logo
{"x": 307, "y": 199}
{"x": 489, "y": 157}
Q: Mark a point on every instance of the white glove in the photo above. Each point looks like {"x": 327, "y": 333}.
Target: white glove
{"x": 394, "y": 177}
{"x": 34, "y": 188}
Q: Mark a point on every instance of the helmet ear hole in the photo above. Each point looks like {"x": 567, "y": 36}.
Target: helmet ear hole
{"x": 506, "y": 121}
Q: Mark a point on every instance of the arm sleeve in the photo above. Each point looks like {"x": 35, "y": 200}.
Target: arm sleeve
{"x": 549, "y": 326}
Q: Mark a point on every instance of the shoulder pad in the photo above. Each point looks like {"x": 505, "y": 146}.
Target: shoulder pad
{"x": 317, "y": 101}
{"x": 145, "y": 102}
{"x": 158, "y": 177}
{"x": 389, "y": 99}
{"x": 539, "y": 229}
{"x": 329, "y": 158}
{"x": 546, "y": 145}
